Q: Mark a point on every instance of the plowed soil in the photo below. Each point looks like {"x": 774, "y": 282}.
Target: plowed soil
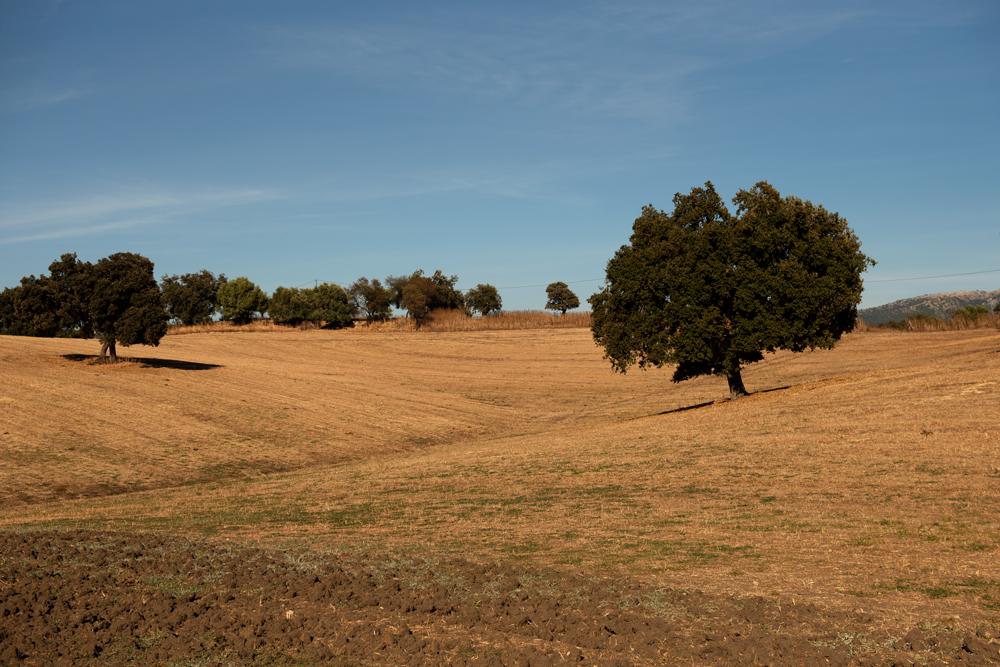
{"x": 79, "y": 598}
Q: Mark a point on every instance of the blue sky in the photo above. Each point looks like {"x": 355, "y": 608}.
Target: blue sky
{"x": 508, "y": 143}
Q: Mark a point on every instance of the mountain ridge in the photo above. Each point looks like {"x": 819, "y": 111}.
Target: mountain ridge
{"x": 939, "y": 305}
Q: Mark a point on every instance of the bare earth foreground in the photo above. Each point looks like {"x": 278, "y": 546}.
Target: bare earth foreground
{"x": 497, "y": 498}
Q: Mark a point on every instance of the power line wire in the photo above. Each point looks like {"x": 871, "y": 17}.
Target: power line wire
{"x": 571, "y": 282}
{"x": 951, "y": 275}
{"x": 594, "y": 280}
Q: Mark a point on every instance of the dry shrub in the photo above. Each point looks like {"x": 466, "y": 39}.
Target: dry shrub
{"x": 929, "y": 324}
{"x": 437, "y": 321}
{"x": 257, "y": 326}
{"x": 454, "y": 320}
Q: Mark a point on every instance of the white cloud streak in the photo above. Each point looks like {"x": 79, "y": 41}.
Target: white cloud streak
{"x": 623, "y": 60}
{"x": 31, "y": 100}
{"x": 100, "y": 214}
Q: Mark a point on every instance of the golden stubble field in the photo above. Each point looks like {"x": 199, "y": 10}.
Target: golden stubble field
{"x": 862, "y": 478}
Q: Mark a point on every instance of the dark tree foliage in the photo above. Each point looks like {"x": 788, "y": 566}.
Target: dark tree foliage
{"x": 324, "y": 303}
{"x": 193, "y": 297}
{"x": 35, "y": 307}
{"x": 57, "y": 304}
{"x": 971, "y": 312}
{"x": 12, "y": 324}
{"x": 370, "y": 299}
{"x": 710, "y": 292}
{"x": 116, "y": 299}
{"x": 125, "y": 304}
{"x": 426, "y": 294}
{"x": 447, "y": 296}
{"x": 286, "y": 306}
{"x": 561, "y": 298}
{"x": 419, "y": 296}
{"x": 240, "y": 300}
{"x": 329, "y": 303}
{"x": 74, "y": 284}
{"x": 483, "y": 299}
{"x": 395, "y": 285}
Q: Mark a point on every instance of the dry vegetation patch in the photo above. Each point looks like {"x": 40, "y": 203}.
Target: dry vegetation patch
{"x": 864, "y": 480}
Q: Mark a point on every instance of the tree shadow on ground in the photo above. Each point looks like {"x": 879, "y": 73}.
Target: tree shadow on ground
{"x": 686, "y": 408}
{"x": 146, "y": 362}
{"x": 725, "y": 400}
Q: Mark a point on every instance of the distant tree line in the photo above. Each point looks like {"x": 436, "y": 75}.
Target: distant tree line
{"x": 118, "y": 301}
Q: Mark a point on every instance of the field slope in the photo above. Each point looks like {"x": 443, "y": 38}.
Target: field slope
{"x": 857, "y": 489}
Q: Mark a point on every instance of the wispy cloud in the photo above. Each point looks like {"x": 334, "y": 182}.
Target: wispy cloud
{"x": 521, "y": 65}
{"x": 122, "y": 210}
{"x": 30, "y": 100}
{"x": 626, "y": 60}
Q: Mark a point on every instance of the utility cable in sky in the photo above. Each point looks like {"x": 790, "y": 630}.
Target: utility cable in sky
{"x": 594, "y": 280}
{"x": 950, "y": 275}
{"x": 572, "y": 282}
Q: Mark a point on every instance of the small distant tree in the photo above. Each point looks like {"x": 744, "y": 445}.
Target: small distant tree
{"x": 193, "y": 297}
{"x": 370, "y": 299}
{"x": 395, "y": 285}
{"x": 286, "y": 306}
{"x": 483, "y": 299}
{"x": 329, "y": 303}
{"x": 419, "y": 295}
{"x": 447, "y": 296}
{"x": 561, "y": 298}
{"x": 996, "y": 308}
{"x": 240, "y": 300}
{"x": 438, "y": 291}
{"x": 324, "y": 303}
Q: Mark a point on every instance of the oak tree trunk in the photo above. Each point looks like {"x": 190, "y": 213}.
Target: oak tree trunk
{"x": 108, "y": 347}
{"x": 736, "y": 388}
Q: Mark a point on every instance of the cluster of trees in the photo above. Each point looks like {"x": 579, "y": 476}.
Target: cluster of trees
{"x": 119, "y": 301}
{"x": 241, "y": 300}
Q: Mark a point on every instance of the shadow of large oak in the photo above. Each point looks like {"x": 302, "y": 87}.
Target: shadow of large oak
{"x": 146, "y": 362}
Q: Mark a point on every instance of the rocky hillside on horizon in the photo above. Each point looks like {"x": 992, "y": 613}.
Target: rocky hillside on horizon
{"x": 939, "y": 305}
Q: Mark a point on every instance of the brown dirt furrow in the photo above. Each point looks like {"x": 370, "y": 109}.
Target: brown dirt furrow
{"x": 79, "y": 598}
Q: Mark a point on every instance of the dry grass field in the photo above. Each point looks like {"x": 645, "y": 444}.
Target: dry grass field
{"x": 864, "y": 480}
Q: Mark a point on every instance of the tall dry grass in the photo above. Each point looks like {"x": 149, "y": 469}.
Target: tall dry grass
{"x": 257, "y": 326}
{"x": 928, "y": 324}
{"x": 454, "y": 320}
{"x": 437, "y": 321}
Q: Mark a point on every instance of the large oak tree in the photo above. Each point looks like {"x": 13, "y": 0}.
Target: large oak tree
{"x": 711, "y": 292}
